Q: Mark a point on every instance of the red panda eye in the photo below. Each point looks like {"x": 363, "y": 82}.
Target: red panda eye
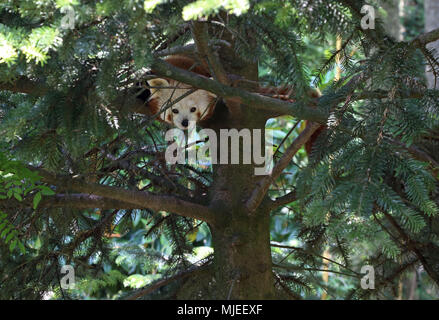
{"x": 193, "y": 109}
{"x": 175, "y": 111}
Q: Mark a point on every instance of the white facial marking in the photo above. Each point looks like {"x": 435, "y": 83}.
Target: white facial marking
{"x": 191, "y": 108}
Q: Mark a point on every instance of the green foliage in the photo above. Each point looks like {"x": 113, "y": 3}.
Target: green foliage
{"x": 16, "y": 181}
{"x": 364, "y": 176}
{"x": 106, "y": 281}
{"x": 199, "y": 9}
{"x": 34, "y": 45}
{"x": 10, "y": 234}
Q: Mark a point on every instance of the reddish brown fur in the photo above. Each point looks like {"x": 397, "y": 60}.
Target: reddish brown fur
{"x": 207, "y": 115}
{"x": 309, "y": 144}
{"x": 186, "y": 64}
{"x": 153, "y": 106}
{"x": 154, "y": 109}
{"x": 282, "y": 93}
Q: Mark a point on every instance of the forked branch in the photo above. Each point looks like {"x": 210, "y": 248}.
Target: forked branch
{"x": 262, "y": 187}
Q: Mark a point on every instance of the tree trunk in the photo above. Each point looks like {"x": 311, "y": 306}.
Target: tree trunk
{"x": 242, "y": 262}
{"x": 242, "y": 265}
{"x": 241, "y": 241}
{"x": 431, "y": 8}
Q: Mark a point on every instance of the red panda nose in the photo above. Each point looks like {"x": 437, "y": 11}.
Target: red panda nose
{"x": 185, "y": 123}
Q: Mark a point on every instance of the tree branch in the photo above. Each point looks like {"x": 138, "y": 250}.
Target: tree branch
{"x": 201, "y": 38}
{"x": 212, "y": 62}
{"x": 312, "y": 253}
{"x": 283, "y": 200}
{"x": 188, "y": 49}
{"x": 139, "y": 199}
{"x": 163, "y": 282}
{"x": 76, "y": 201}
{"x": 411, "y": 244}
{"x": 300, "y": 268}
{"x": 418, "y": 154}
{"x": 377, "y": 34}
{"x": 84, "y": 201}
{"x": 261, "y": 189}
{"x": 24, "y": 85}
{"x": 249, "y": 99}
{"x": 422, "y": 40}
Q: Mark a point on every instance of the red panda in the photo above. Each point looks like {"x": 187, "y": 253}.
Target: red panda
{"x": 195, "y": 107}
{"x": 309, "y": 144}
{"x": 199, "y": 105}
{"x": 284, "y": 93}
{"x": 313, "y": 93}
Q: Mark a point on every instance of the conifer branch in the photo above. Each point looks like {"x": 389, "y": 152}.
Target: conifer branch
{"x": 77, "y": 201}
{"x": 24, "y": 85}
{"x": 252, "y": 100}
{"x": 160, "y": 283}
{"x": 422, "y": 40}
{"x": 377, "y": 34}
{"x": 139, "y": 199}
{"x": 212, "y": 62}
{"x": 261, "y": 189}
{"x": 312, "y": 253}
{"x": 84, "y": 201}
{"x": 283, "y": 200}
{"x": 189, "y": 48}
{"x": 300, "y": 268}
{"x": 412, "y": 245}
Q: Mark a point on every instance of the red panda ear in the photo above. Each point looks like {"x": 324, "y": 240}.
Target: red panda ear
{"x": 154, "y": 102}
{"x": 211, "y": 108}
{"x": 156, "y": 83}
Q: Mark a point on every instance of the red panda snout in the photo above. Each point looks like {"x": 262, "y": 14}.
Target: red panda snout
{"x": 185, "y": 123}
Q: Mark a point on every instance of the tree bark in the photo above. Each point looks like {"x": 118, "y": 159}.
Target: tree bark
{"x": 242, "y": 261}
{"x": 242, "y": 265}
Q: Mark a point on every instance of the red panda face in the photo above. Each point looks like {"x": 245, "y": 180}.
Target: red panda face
{"x": 192, "y": 108}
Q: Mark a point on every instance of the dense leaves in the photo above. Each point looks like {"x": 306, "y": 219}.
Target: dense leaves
{"x": 366, "y": 195}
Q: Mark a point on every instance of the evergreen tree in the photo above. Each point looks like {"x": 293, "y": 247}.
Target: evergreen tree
{"x": 83, "y": 176}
